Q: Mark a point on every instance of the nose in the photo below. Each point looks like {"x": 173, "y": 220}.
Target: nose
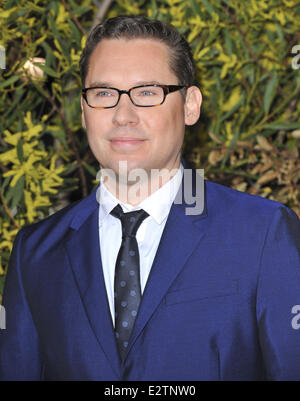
{"x": 125, "y": 112}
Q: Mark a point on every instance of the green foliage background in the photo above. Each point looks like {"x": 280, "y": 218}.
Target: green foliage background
{"x": 248, "y": 134}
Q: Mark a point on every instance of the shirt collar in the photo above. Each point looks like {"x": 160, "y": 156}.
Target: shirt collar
{"x": 157, "y": 205}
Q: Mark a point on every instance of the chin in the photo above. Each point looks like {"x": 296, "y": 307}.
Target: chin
{"x": 130, "y": 164}
{"x": 122, "y": 167}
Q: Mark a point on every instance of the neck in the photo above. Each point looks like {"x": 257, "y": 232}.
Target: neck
{"x": 137, "y": 184}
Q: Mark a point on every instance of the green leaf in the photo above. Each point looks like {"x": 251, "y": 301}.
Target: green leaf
{"x": 75, "y": 33}
{"x": 48, "y": 71}
{"x": 20, "y": 151}
{"x": 5, "y": 183}
{"x": 90, "y": 169}
{"x": 270, "y": 92}
{"x": 213, "y": 35}
{"x": 195, "y": 7}
{"x": 50, "y": 59}
{"x": 57, "y": 36}
{"x": 228, "y": 42}
{"x": 2, "y": 280}
{"x": 280, "y": 36}
{"x": 9, "y": 81}
{"x": 230, "y": 146}
{"x": 153, "y": 9}
{"x": 233, "y": 109}
{"x": 16, "y": 193}
{"x": 283, "y": 126}
{"x": 208, "y": 6}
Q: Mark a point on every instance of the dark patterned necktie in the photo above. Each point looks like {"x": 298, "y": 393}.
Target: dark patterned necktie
{"x": 127, "y": 285}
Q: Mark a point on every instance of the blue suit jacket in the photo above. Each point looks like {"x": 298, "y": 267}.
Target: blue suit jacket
{"x": 218, "y": 304}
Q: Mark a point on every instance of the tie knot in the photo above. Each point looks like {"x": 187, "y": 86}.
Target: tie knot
{"x": 130, "y": 221}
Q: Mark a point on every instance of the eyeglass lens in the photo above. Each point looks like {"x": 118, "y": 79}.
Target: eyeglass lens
{"x": 143, "y": 96}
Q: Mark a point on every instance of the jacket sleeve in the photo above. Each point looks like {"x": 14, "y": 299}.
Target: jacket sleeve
{"x": 278, "y": 297}
{"x": 19, "y": 346}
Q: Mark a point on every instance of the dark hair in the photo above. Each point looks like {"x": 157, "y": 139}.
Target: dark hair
{"x": 136, "y": 27}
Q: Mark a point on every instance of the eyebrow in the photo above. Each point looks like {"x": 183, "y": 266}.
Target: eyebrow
{"x": 108, "y": 84}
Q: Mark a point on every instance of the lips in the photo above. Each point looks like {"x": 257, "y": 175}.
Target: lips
{"x": 126, "y": 141}
{"x": 126, "y": 138}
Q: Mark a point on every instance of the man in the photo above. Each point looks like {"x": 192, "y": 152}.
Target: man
{"x": 125, "y": 284}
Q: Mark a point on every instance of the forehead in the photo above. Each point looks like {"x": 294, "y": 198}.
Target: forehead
{"x": 126, "y": 62}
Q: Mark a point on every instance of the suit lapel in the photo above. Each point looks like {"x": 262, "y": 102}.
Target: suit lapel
{"x": 83, "y": 250}
{"x": 181, "y": 236}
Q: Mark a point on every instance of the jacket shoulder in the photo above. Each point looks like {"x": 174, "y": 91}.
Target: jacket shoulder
{"x": 56, "y": 225}
{"x": 231, "y": 201}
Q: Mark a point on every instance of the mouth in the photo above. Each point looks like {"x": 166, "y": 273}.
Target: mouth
{"x": 126, "y": 141}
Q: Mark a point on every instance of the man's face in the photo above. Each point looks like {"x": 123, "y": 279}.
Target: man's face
{"x": 145, "y": 137}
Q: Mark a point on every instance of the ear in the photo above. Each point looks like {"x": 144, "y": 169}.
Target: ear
{"x": 192, "y": 105}
{"x": 82, "y": 113}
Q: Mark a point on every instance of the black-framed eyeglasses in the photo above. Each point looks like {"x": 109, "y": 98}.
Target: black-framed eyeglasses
{"x": 141, "y": 96}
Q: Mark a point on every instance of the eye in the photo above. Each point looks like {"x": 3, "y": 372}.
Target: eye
{"x": 103, "y": 93}
{"x": 147, "y": 92}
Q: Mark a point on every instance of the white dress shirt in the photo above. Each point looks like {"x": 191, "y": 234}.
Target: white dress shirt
{"x": 158, "y": 206}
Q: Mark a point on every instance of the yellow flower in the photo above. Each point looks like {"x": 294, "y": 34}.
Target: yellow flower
{"x": 290, "y": 3}
{"x": 279, "y": 14}
{"x": 233, "y": 99}
{"x": 229, "y": 62}
{"x": 31, "y": 213}
{"x": 172, "y": 3}
{"x": 229, "y": 134}
{"x": 62, "y": 14}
